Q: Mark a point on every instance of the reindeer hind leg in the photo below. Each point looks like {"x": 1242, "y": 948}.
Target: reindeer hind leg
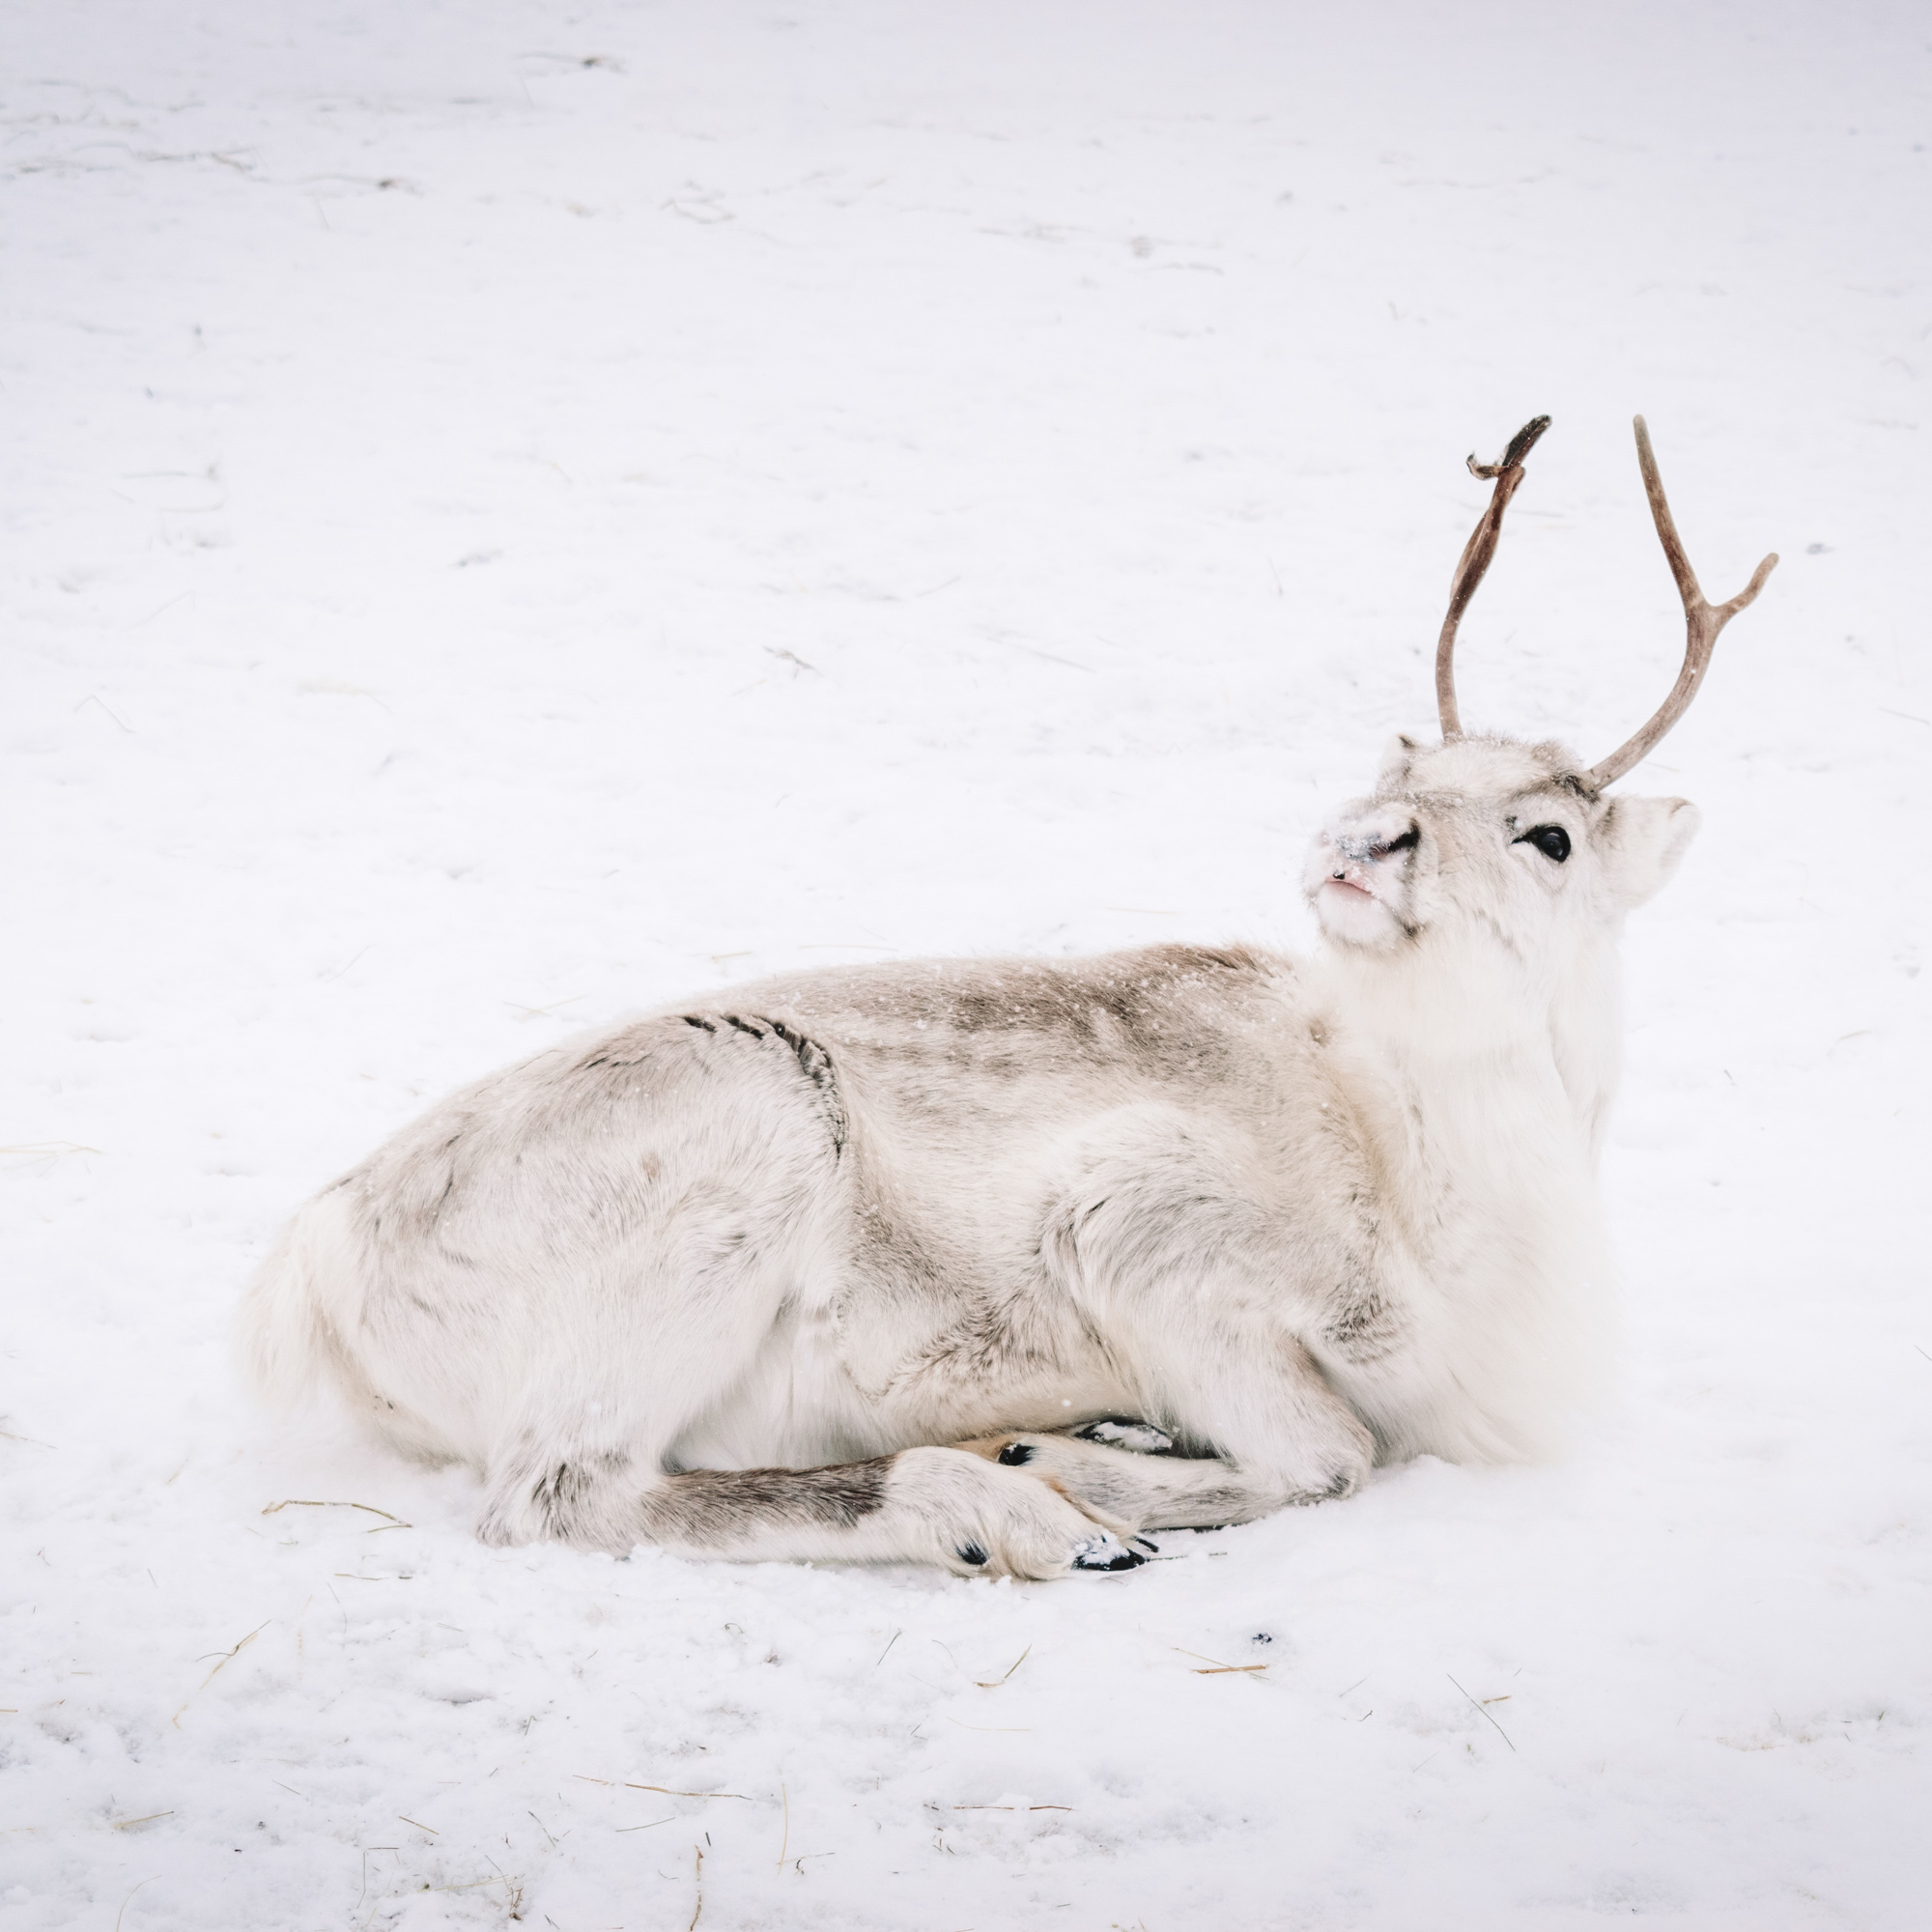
{"x": 925, "y": 1505}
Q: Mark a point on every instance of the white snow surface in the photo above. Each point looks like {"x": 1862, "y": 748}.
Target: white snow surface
{"x": 515, "y": 512}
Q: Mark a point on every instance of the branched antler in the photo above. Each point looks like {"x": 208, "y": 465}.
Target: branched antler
{"x": 1508, "y": 471}
{"x": 1703, "y": 622}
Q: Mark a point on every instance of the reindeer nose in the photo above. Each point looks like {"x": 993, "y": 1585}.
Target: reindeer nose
{"x": 1370, "y": 848}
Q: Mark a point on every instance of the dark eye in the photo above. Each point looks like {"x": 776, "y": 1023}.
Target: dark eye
{"x": 1551, "y": 840}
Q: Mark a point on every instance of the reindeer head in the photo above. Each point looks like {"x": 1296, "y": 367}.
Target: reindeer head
{"x": 1493, "y": 838}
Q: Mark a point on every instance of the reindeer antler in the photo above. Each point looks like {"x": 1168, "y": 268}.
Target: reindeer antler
{"x": 1475, "y": 560}
{"x": 1703, "y": 622}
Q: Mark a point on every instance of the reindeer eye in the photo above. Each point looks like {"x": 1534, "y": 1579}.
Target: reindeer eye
{"x": 1551, "y": 840}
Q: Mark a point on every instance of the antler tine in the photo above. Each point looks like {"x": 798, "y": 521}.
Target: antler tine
{"x": 1702, "y": 621}
{"x": 1475, "y": 562}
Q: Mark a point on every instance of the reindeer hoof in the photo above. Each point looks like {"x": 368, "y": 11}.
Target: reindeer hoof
{"x": 1125, "y": 1431}
{"x": 971, "y": 1553}
{"x": 1105, "y": 1551}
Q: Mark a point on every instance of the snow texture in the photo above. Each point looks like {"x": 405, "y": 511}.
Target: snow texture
{"x": 515, "y": 512}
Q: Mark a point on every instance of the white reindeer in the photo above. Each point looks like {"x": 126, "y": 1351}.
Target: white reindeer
{"x": 871, "y": 1265}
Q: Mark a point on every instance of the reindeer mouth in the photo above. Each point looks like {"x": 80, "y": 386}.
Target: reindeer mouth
{"x": 1349, "y": 906}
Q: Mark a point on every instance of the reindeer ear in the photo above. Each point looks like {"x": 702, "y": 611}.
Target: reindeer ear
{"x": 1643, "y": 840}
{"x": 1396, "y": 755}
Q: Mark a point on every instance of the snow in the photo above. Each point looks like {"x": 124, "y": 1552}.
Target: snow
{"x": 517, "y": 511}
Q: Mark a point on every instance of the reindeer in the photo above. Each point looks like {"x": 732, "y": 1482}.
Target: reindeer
{"x": 998, "y": 1265}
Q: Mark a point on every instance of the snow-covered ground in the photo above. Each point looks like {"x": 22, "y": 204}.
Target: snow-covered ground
{"x": 513, "y": 512}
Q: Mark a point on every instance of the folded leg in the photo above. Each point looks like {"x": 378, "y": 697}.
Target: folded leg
{"x": 1139, "y": 1489}
{"x": 1127, "y": 1472}
{"x": 929, "y": 1505}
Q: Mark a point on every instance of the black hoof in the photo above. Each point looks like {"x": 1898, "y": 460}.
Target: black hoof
{"x": 971, "y": 1553}
{"x": 1127, "y": 1431}
{"x": 1109, "y": 1556}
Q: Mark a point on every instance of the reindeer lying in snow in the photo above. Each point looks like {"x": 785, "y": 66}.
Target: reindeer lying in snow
{"x": 869, "y": 1263}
